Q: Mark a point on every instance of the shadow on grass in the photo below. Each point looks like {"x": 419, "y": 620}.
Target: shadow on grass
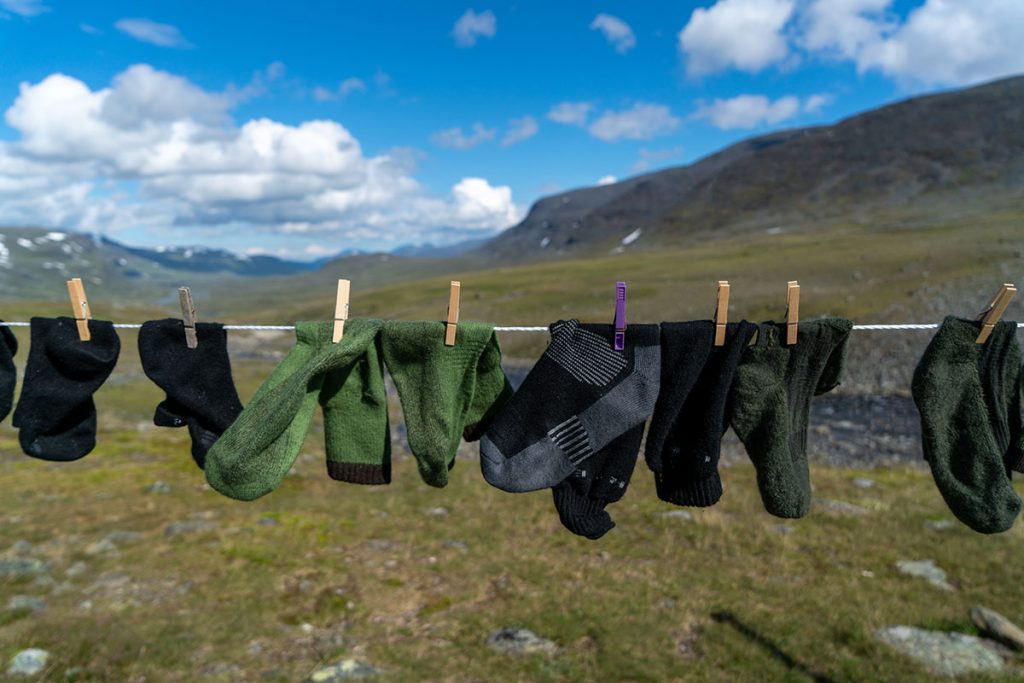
{"x": 774, "y": 650}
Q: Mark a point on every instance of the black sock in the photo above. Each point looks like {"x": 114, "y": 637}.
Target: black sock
{"x": 582, "y": 498}
{"x": 685, "y": 439}
{"x": 56, "y": 413}
{"x": 8, "y": 373}
{"x": 200, "y": 391}
{"x": 579, "y": 397}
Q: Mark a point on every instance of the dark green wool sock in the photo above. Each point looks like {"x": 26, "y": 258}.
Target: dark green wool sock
{"x": 771, "y": 400}
{"x": 969, "y": 399}
{"x": 8, "y": 373}
{"x": 254, "y": 454}
{"x": 356, "y": 429}
{"x": 447, "y": 392}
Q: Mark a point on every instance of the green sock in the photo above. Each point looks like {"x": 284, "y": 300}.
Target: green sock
{"x": 254, "y": 454}
{"x": 356, "y": 430}
{"x": 968, "y": 395}
{"x": 770, "y": 405}
{"x": 447, "y": 392}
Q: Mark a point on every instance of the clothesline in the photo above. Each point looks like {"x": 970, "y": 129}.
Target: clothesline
{"x": 518, "y": 328}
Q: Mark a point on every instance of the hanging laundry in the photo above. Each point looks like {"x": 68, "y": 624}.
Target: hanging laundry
{"x": 447, "y": 392}
{"x": 771, "y": 400}
{"x": 254, "y": 454}
{"x": 968, "y": 395}
{"x": 685, "y": 439}
{"x": 200, "y": 392}
{"x": 56, "y": 414}
{"x": 8, "y": 373}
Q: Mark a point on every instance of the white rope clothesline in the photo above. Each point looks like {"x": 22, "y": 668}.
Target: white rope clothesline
{"x": 517, "y": 328}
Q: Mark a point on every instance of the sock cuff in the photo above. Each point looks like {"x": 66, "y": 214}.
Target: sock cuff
{"x": 359, "y": 473}
{"x": 689, "y": 491}
{"x": 580, "y": 515}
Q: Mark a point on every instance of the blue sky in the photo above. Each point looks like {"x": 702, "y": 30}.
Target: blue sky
{"x": 320, "y": 126}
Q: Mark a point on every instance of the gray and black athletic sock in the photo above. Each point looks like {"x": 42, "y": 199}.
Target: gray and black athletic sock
{"x": 578, "y": 398}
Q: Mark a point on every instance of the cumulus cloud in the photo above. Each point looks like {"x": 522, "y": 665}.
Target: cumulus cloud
{"x": 455, "y": 138}
{"x": 24, "y": 8}
{"x": 642, "y": 121}
{"x": 154, "y": 33}
{"x": 751, "y": 111}
{"x": 952, "y": 42}
{"x": 742, "y": 34}
{"x": 344, "y": 89}
{"x": 520, "y": 129}
{"x": 155, "y": 150}
{"x": 617, "y": 32}
{"x": 570, "y": 113}
{"x": 471, "y": 26}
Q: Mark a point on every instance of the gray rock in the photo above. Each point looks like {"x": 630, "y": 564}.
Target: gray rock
{"x": 267, "y": 521}
{"x": 77, "y": 569}
{"x": 940, "y": 524}
{"x": 19, "y": 548}
{"x": 947, "y": 654}
{"x": 927, "y": 570}
{"x": 158, "y": 487}
{"x": 22, "y": 567}
{"x": 841, "y": 507}
{"x": 457, "y": 544}
{"x": 26, "y": 602}
{"x": 864, "y": 483}
{"x": 784, "y": 529}
{"x": 995, "y": 626}
{"x": 189, "y": 527}
{"x": 438, "y": 512}
{"x": 345, "y": 670}
{"x": 28, "y": 662}
{"x": 684, "y": 515}
{"x": 520, "y": 641}
{"x": 102, "y": 547}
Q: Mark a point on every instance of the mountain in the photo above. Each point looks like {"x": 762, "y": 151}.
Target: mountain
{"x": 434, "y": 252}
{"x": 952, "y": 147}
{"x": 211, "y": 260}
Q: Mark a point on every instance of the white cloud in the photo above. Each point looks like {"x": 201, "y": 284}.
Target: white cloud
{"x": 642, "y": 121}
{"x": 455, "y": 138}
{"x": 344, "y": 89}
{"x": 149, "y": 31}
{"x": 167, "y": 157}
{"x": 520, "y": 129}
{"x": 651, "y": 156}
{"x": 749, "y": 111}
{"x": 471, "y": 26}
{"x": 616, "y": 32}
{"x": 815, "y": 103}
{"x": 841, "y": 28}
{"x": 742, "y": 34}
{"x": 24, "y": 8}
{"x": 570, "y": 113}
{"x": 606, "y": 180}
{"x": 952, "y": 42}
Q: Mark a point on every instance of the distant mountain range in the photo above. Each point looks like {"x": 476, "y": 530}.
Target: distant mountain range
{"x": 965, "y": 145}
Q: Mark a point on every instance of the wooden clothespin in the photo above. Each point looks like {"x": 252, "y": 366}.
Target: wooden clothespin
{"x": 188, "y": 317}
{"x": 792, "y": 311}
{"x": 722, "y": 312}
{"x": 341, "y": 309}
{"x": 80, "y": 308}
{"x": 994, "y": 311}
{"x": 620, "y": 316}
{"x": 453, "y": 313}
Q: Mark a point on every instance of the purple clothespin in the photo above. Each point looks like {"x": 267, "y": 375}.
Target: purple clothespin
{"x": 620, "y": 316}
